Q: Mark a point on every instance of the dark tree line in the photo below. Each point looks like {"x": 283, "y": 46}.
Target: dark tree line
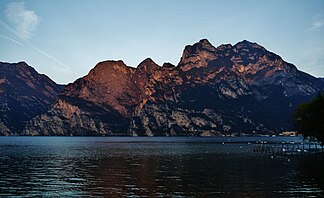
{"x": 309, "y": 119}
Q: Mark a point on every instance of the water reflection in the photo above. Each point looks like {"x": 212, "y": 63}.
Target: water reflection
{"x": 80, "y": 167}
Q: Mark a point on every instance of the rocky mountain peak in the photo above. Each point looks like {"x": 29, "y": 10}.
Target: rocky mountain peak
{"x": 110, "y": 64}
{"x": 252, "y": 58}
{"x": 224, "y": 90}
{"x": 19, "y": 67}
{"x": 206, "y": 45}
{"x": 147, "y": 65}
{"x": 247, "y": 48}
{"x": 224, "y": 47}
{"x": 109, "y": 87}
{"x": 247, "y": 44}
{"x": 197, "y": 55}
{"x": 24, "y": 93}
{"x": 147, "y": 61}
{"x": 108, "y": 70}
{"x": 202, "y": 45}
{"x": 168, "y": 65}
{"x": 22, "y": 63}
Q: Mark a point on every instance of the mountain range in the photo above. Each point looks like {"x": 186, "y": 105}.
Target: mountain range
{"x": 225, "y": 90}
{"x": 24, "y": 94}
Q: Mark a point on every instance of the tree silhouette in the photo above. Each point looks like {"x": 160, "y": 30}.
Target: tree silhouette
{"x": 309, "y": 119}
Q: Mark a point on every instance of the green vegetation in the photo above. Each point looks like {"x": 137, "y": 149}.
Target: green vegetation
{"x": 309, "y": 119}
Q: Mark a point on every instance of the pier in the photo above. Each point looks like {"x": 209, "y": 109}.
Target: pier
{"x": 288, "y": 148}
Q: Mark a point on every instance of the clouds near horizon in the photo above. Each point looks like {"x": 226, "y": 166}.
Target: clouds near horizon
{"x": 23, "y": 20}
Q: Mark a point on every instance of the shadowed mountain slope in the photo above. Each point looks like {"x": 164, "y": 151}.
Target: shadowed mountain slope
{"x": 230, "y": 89}
{"x": 24, "y": 94}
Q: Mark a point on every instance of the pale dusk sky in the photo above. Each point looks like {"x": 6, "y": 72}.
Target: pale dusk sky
{"x": 65, "y": 39}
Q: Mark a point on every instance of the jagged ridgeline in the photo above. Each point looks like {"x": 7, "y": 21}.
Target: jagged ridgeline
{"x": 225, "y": 90}
{"x": 24, "y": 94}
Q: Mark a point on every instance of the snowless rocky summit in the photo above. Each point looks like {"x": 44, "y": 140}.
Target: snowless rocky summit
{"x": 230, "y": 89}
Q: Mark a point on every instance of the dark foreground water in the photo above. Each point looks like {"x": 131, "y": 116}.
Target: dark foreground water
{"x": 153, "y": 167}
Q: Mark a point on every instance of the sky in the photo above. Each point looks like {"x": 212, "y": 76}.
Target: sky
{"x": 65, "y": 39}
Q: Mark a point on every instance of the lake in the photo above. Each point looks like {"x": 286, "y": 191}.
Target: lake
{"x": 154, "y": 167}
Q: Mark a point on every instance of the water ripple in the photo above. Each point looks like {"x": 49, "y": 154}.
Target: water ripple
{"x": 152, "y": 167}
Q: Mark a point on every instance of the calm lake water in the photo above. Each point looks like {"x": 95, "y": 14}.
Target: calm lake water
{"x": 154, "y": 167}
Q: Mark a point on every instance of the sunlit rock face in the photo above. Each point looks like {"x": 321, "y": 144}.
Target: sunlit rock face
{"x": 24, "y": 94}
{"x": 230, "y": 89}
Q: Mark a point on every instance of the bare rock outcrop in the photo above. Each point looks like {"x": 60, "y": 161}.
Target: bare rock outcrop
{"x": 230, "y": 89}
{"x": 24, "y": 94}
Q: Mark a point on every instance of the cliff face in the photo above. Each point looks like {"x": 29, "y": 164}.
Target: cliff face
{"x": 100, "y": 103}
{"x": 225, "y": 90}
{"x": 229, "y": 89}
{"x": 24, "y": 93}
